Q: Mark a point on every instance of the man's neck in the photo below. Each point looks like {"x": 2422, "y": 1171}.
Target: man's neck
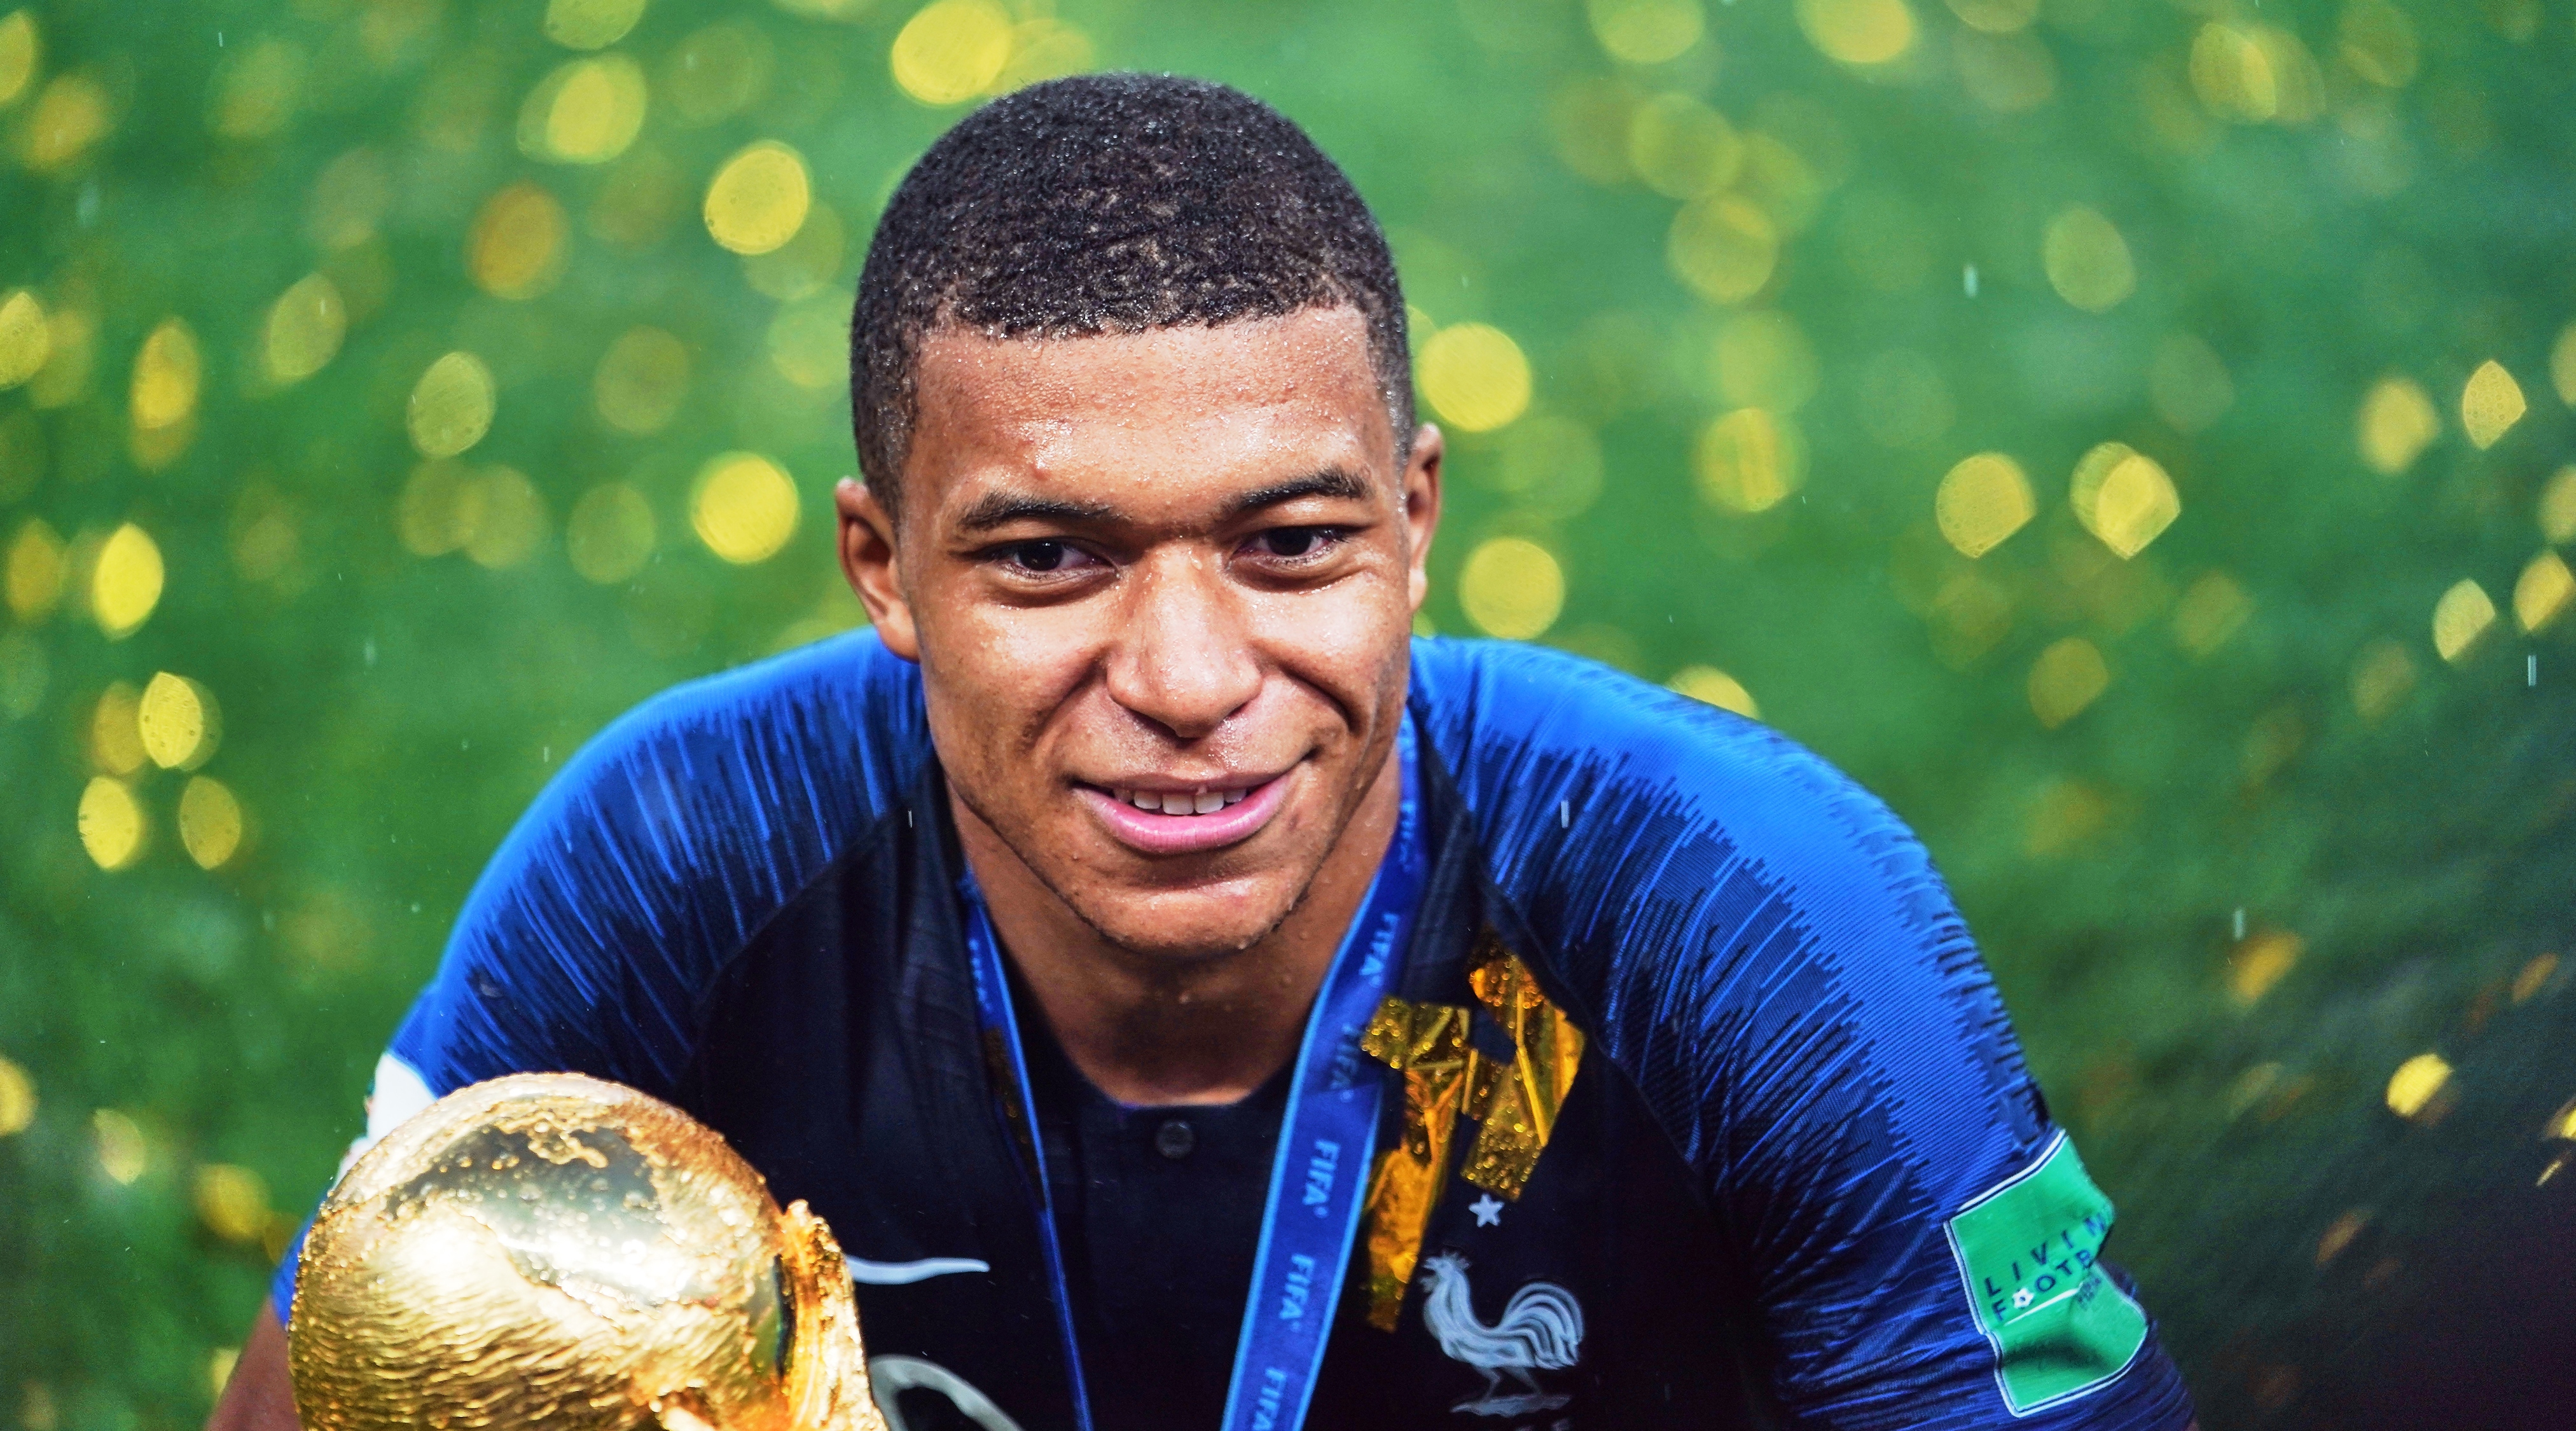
{"x": 1154, "y": 1030}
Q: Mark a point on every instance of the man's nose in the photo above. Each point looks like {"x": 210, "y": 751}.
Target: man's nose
{"x": 1184, "y": 659}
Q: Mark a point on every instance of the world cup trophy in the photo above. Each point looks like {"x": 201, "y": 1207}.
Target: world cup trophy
{"x": 549, "y": 1249}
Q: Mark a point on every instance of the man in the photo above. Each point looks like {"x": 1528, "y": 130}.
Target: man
{"x": 1194, "y": 1002}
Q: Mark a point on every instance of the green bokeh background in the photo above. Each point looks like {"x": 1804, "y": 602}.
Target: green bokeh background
{"x": 2328, "y": 195}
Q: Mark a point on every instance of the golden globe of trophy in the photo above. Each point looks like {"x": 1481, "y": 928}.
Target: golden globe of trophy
{"x": 548, "y": 1249}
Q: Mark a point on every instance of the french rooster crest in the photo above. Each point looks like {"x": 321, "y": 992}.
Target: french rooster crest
{"x": 1541, "y": 1329}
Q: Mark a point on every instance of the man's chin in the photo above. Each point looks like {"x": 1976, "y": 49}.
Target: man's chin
{"x": 1184, "y": 927}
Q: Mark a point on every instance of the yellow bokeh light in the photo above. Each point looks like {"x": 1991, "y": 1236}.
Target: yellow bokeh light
{"x": 349, "y": 200}
{"x": 256, "y": 89}
{"x": 71, "y": 115}
{"x": 111, "y": 823}
{"x": 2558, "y": 506}
{"x": 2562, "y": 365}
{"x": 806, "y": 264}
{"x": 2259, "y": 963}
{"x": 118, "y": 1140}
{"x": 1996, "y": 17}
{"x": 587, "y": 111}
{"x": 232, "y": 1202}
{"x": 2417, "y": 1082}
{"x": 1724, "y": 247}
{"x": 115, "y": 731}
{"x": 717, "y": 72}
{"x": 2233, "y": 74}
{"x": 1981, "y": 501}
{"x": 2210, "y": 612}
{"x": 1551, "y": 466}
{"x": 2188, "y": 383}
{"x": 19, "y": 52}
{"x": 743, "y": 507}
{"x": 2009, "y": 74}
{"x": 759, "y": 199}
{"x": 1512, "y": 587}
{"x": 516, "y": 248}
{"x": 1717, "y": 688}
{"x": 1646, "y": 32}
{"x": 180, "y": 723}
{"x": 952, "y": 51}
{"x": 2533, "y": 977}
{"x": 210, "y": 822}
{"x": 451, "y": 406}
{"x": 304, "y": 330}
{"x": 2123, "y": 497}
{"x": 1682, "y": 148}
{"x": 2397, "y": 423}
{"x": 25, "y": 337}
{"x": 35, "y": 572}
{"x": 1474, "y": 376}
{"x": 2541, "y": 594}
{"x": 2378, "y": 42}
{"x": 1044, "y": 48}
{"x": 2460, "y": 618}
{"x": 2069, "y": 676}
{"x": 610, "y": 534}
{"x": 591, "y": 24}
{"x": 1764, "y": 360}
{"x": 1749, "y": 461}
{"x": 2087, "y": 260}
{"x": 641, "y": 381}
{"x": 809, "y": 343}
{"x": 17, "y": 1099}
{"x": 509, "y": 519}
{"x": 2490, "y": 404}
{"x": 2382, "y": 677}
{"x": 125, "y": 585}
{"x": 167, "y": 373}
{"x": 1858, "y": 32}
{"x": 439, "y": 507}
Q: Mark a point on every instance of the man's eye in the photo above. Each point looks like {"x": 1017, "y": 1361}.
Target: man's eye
{"x": 1293, "y": 542}
{"x": 1041, "y": 556}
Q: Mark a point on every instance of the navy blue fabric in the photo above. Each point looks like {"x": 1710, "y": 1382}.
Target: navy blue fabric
{"x": 1755, "y": 943}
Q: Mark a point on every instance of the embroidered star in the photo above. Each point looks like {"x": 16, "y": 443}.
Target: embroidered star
{"x": 1489, "y": 1213}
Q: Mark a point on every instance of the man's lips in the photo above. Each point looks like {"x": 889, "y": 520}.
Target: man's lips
{"x": 1154, "y": 833}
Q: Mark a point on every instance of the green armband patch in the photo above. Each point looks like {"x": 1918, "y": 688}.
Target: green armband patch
{"x": 2026, "y": 1250}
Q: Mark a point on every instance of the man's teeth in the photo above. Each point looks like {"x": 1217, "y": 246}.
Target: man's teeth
{"x": 1170, "y": 802}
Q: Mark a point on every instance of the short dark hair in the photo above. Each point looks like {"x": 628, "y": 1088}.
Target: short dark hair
{"x": 1112, "y": 203}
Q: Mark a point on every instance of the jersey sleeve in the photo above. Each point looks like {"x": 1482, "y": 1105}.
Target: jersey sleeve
{"x": 1768, "y": 954}
{"x": 664, "y": 844}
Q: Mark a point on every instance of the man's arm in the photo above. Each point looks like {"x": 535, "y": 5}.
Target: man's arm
{"x": 261, "y": 1394}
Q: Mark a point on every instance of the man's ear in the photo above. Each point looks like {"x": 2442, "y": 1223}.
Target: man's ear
{"x": 868, "y": 560}
{"x": 1421, "y": 508}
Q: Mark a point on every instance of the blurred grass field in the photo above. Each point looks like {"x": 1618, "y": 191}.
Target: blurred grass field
{"x": 2133, "y": 437}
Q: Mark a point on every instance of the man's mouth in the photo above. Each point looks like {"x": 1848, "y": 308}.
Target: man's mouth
{"x": 1173, "y": 820}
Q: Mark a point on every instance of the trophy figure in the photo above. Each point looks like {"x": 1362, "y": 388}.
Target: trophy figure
{"x": 549, "y": 1249}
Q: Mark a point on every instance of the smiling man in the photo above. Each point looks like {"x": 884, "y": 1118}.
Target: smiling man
{"x": 1195, "y": 1002}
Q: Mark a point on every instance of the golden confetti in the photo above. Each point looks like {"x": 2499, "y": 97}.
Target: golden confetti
{"x": 760, "y": 197}
{"x": 2490, "y": 405}
{"x": 71, "y": 115}
{"x": 115, "y": 730}
{"x": 2259, "y": 962}
{"x": 219, "y": 1369}
{"x": 1858, "y": 32}
{"x": 1996, "y": 17}
{"x": 587, "y": 111}
{"x": 35, "y": 573}
{"x": 743, "y": 507}
{"x": 2397, "y": 423}
{"x": 1717, "y": 688}
{"x": 1682, "y": 148}
{"x": 231, "y": 1201}
{"x": 256, "y": 89}
{"x": 166, "y": 376}
{"x": 2210, "y": 612}
{"x": 2460, "y": 618}
{"x": 2123, "y": 497}
{"x": 210, "y": 822}
{"x": 2067, "y": 677}
{"x": 125, "y": 585}
{"x": 952, "y": 51}
{"x": 111, "y": 824}
{"x": 26, "y": 340}
{"x": 1474, "y": 377}
{"x": 610, "y": 535}
{"x": 2558, "y": 506}
{"x": 2087, "y": 260}
{"x": 2416, "y": 1083}
{"x": 1749, "y": 461}
{"x": 180, "y": 723}
{"x": 1982, "y": 501}
{"x": 122, "y": 1153}
{"x": 1512, "y": 587}
{"x": 1646, "y": 32}
{"x": 17, "y": 1099}
{"x": 2561, "y": 1126}
{"x": 1723, "y": 247}
{"x": 451, "y": 406}
{"x": 641, "y": 381}
{"x": 516, "y": 247}
{"x": 591, "y": 24}
{"x": 2541, "y": 595}
{"x": 19, "y": 53}
{"x": 304, "y": 330}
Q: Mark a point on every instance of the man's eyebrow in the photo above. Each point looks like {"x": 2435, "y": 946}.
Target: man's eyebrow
{"x": 1330, "y": 482}
{"x": 1000, "y": 509}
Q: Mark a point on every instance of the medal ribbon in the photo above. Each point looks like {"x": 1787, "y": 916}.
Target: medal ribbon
{"x": 1327, "y": 1141}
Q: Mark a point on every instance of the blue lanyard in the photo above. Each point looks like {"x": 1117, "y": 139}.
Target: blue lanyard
{"x": 1327, "y": 1140}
